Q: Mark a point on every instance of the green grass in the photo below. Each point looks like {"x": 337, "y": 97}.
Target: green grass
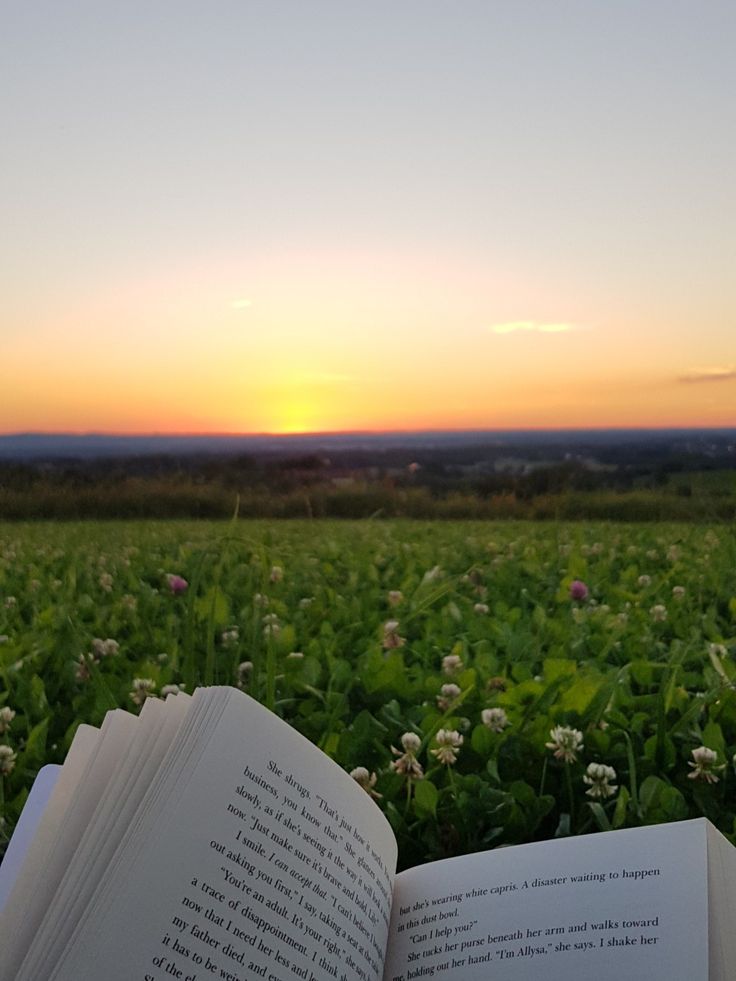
{"x": 644, "y": 686}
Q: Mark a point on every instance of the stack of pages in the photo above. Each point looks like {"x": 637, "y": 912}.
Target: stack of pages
{"x": 207, "y": 839}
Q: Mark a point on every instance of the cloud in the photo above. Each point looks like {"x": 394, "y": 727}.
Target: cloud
{"x": 241, "y": 304}
{"x": 531, "y": 325}
{"x": 708, "y": 375}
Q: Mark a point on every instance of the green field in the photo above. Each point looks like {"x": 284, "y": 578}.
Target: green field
{"x": 642, "y": 667}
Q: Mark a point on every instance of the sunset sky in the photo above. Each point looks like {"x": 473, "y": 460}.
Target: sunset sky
{"x": 271, "y": 216}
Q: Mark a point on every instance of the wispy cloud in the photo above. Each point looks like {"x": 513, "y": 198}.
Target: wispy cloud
{"x": 531, "y": 325}
{"x": 708, "y": 375}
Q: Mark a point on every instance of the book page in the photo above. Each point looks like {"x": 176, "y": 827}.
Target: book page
{"x": 272, "y": 863}
{"x": 26, "y": 828}
{"x": 20, "y": 917}
{"x": 157, "y": 726}
{"x": 203, "y": 709}
{"x": 722, "y": 905}
{"x": 631, "y": 904}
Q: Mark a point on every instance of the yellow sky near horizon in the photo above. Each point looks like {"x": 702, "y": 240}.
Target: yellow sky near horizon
{"x": 348, "y": 342}
{"x": 84, "y": 397}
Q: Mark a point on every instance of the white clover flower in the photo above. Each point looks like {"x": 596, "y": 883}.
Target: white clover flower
{"x": 104, "y": 648}
{"x": 449, "y": 742}
{"x": 143, "y": 688}
{"x": 6, "y": 717}
{"x": 365, "y": 780}
{"x": 7, "y": 760}
{"x": 717, "y": 650}
{"x": 83, "y": 669}
{"x": 658, "y": 613}
{"x": 129, "y": 602}
{"x": 230, "y": 637}
{"x": 10, "y": 602}
{"x": 673, "y": 553}
{"x": 599, "y": 778}
{"x": 245, "y": 669}
{"x": 391, "y": 638}
{"x": 276, "y": 574}
{"x": 451, "y": 664}
{"x": 294, "y": 656}
{"x": 432, "y": 575}
{"x": 566, "y": 743}
{"x": 411, "y": 742}
{"x": 260, "y": 599}
{"x": 644, "y": 581}
{"x": 622, "y": 619}
{"x": 395, "y": 597}
{"x": 106, "y": 582}
{"x": 678, "y": 592}
{"x": 407, "y": 764}
{"x": 171, "y": 690}
{"x": 305, "y": 602}
{"x": 480, "y": 608}
{"x": 447, "y": 695}
{"x": 271, "y": 625}
{"x": 34, "y": 585}
{"x": 494, "y": 719}
{"x": 704, "y": 765}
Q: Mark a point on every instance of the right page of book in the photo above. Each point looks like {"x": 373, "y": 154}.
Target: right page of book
{"x": 722, "y": 896}
{"x": 629, "y": 904}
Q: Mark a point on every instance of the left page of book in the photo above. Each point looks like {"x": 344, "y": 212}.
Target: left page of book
{"x": 81, "y": 868}
{"x": 158, "y": 724}
{"x": 26, "y": 828}
{"x": 83, "y": 778}
{"x": 261, "y": 857}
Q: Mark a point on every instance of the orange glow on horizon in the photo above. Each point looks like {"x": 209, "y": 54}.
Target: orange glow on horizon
{"x": 355, "y": 342}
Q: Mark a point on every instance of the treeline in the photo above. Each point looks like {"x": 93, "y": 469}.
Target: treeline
{"x": 359, "y": 484}
{"x": 137, "y": 497}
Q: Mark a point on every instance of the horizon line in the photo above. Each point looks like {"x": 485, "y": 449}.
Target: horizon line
{"x": 419, "y": 431}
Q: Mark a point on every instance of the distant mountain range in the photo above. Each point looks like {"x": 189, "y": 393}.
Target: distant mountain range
{"x": 90, "y": 446}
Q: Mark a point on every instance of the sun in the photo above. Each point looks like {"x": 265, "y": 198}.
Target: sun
{"x": 296, "y": 416}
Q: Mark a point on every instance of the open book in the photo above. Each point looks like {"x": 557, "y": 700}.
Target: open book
{"x": 207, "y": 839}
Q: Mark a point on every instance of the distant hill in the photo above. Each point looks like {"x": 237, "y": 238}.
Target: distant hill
{"x": 90, "y": 446}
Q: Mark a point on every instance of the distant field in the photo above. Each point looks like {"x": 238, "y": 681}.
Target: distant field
{"x": 343, "y": 628}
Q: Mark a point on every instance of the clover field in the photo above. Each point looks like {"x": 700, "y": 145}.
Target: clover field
{"x": 555, "y": 679}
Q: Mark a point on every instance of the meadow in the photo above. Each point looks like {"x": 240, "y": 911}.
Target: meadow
{"x": 487, "y": 683}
